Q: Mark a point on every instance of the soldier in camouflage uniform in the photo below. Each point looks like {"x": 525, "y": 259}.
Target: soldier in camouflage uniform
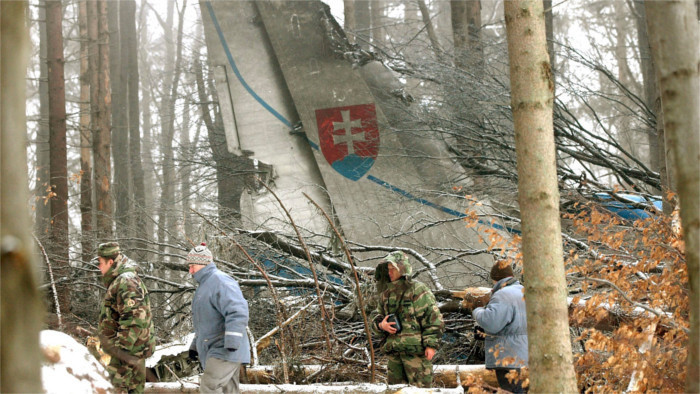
{"x": 412, "y": 348}
{"x": 126, "y": 328}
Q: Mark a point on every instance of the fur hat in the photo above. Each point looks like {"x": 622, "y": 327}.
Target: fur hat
{"x": 501, "y": 269}
{"x": 200, "y": 254}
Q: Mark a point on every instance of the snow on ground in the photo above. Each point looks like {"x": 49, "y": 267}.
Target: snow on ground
{"x": 68, "y": 366}
{"x": 170, "y": 349}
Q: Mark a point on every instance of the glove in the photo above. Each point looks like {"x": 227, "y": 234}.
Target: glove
{"x": 479, "y": 333}
{"x": 193, "y": 355}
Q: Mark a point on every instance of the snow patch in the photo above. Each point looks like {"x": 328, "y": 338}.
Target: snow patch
{"x": 68, "y": 366}
{"x": 170, "y": 349}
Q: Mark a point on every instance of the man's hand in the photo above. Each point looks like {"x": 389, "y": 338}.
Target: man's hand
{"x": 479, "y": 333}
{"x": 429, "y": 353}
{"x": 387, "y": 326}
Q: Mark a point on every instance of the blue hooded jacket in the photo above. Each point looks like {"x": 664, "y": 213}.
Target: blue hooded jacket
{"x": 220, "y": 317}
{"x": 505, "y": 324}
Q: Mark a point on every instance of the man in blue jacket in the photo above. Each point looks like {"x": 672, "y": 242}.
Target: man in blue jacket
{"x": 220, "y": 317}
{"x": 505, "y": 324}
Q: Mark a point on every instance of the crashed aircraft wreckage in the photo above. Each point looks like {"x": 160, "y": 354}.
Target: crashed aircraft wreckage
{"x": 289, "y": 95}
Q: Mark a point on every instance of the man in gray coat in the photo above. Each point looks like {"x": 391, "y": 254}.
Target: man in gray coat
{"x": 505, "y": 324}
{"x": 220, "y": 317}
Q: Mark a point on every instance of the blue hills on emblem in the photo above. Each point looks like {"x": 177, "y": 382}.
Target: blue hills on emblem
{"x": 353, "y": 166}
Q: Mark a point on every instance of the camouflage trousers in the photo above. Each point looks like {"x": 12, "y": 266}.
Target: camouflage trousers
{"x": 413, "y": 369}
{"x": 127, "y": 378}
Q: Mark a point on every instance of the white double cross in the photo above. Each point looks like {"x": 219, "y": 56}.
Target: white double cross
{"x": 348, "y": 137}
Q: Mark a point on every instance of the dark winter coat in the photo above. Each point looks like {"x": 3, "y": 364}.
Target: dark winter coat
{"x": 220, "y": 317}
{"x": 505, "y": 323}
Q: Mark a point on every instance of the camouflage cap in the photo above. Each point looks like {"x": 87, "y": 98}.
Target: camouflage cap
{"x": 108, "y": 249}
{"x": 400, "y": 262}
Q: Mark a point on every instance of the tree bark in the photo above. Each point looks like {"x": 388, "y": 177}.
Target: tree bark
{"x": 378, "y": 33}
{"x": 20, "y": 302}
{"x": 549, "y": 28}
{"x": 148, "y": 167}
{"x": 362, "y": 23}
{"x": 186, "y": 171}
{"x": 425, "y": 14}
{"x": 551, "y": 360}
{"x": 43, "y": 209}
{"x": 168, "y": 133}
{"x": 651, "y": 97}
{"x": 120, "y": 131}
{"x": 674, "y": 38}
{"x": 460, "y": 31}
{"x": 57, "y": 141}
{"x": 85, "y": 135}
{"x": 127, "y": 19}
{"x": 102, "y": 114}
{"x": 350, "y": 23}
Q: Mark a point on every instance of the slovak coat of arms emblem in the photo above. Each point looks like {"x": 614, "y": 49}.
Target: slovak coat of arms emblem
{"x": 349, "y": 138}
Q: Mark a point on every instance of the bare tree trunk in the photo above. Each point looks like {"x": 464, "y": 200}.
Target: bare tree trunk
{"x": 101, "y": 121}
{"x": 350, "y": 22}
{"x": 57, "y": 141}
{"x": 549, "y": 27}
{"x": 168, "y": 133}
{"x": 127, "y": 18}
{"x": 475, "y": 44}
{"x": 186, "y": 172}
{"x": 674, "y": 37}
{"x": 148, "y": 167}
{"x": 625, "y": 136}
{"x": 460, "y": 31}
{"x": 425, "y": 13}
{"x": 43, "y": 210}
{"x": 551, "y": 360}
{"x": 20, "y": 302}
{"x": 120, "y": 131}
{"x": 651, "y": 93}
{"x": 362, "y": 23}
{"x": 378, "y": 33}
{"x": 85, "y": 136}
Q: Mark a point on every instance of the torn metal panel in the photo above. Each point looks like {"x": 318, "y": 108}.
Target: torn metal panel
{"x": 259, "y": 116}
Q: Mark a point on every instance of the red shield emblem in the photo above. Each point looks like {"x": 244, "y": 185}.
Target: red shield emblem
{"x": 349, "y": 138}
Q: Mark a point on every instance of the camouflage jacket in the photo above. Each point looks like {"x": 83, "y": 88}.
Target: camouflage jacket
{"x": 125, "y": 317}
{"x": 421, "y": 320}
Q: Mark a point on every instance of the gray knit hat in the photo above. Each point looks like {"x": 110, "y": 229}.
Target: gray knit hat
{"x": 200, "y": 254}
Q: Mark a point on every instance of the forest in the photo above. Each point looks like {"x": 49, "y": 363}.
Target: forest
{"x": 560, "y": 137}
